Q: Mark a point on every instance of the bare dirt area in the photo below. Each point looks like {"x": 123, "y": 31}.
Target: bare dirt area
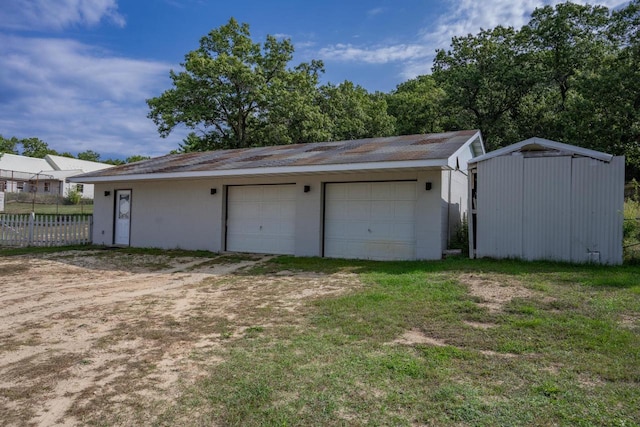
{"x": 104, "y": 337}
{"x": 494, "y": 290}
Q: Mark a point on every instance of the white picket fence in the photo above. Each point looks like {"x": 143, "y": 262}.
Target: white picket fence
{"x": 45, "y": 230}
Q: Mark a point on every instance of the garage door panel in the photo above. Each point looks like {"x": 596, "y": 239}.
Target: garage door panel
{"x": 378, "y": 222}
{"x": 337, "y": 247}
{"x": 404, "y": 231}
{"x": 380, "y": 231}
{"x": 282, "y": 210}
{"x": 405, "y": 191}
{"x": 382, "y": 210}
{"x": 382, "y": 191}
{"x": 405, "y": 210}
{"x": 261, "y": 218}
{"x": 353, "y": 230}
{"x": 358, "y": 191}
{"x": 246, "y": 210}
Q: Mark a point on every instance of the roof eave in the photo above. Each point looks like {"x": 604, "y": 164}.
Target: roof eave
{"x": 281, "y": 170}
{"x": 476, "y": 144}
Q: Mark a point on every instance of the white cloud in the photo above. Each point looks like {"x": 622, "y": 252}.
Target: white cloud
{"x": 373, "y": 55}
{"x": 375, "y": 11}
{"x": 58, "y": 14}
{"x": 61, "y": 90}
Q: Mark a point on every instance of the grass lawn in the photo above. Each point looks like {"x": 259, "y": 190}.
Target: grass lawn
{"x": 23, "y": 208}
{"x": 421, "y": 344}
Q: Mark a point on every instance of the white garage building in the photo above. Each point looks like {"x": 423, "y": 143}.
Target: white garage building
{"x": 380, "y": 198}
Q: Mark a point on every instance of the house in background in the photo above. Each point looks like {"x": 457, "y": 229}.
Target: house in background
{"x": 379, "y": 198}
{"x": 17, "y": 172}
{"x": 544, "y": 200}
{"x": 45, "y": 176}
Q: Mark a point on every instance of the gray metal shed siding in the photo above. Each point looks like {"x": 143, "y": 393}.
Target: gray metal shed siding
{"x": 499, "y": 228}
{"x": 557, "y": 208}
{"x": 597, "y": 209}
{"x": 546, "y": 196}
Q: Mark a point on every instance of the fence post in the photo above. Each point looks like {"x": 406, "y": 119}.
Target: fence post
{"x": 32, "y": 220}
{"x": 90, "y": 237}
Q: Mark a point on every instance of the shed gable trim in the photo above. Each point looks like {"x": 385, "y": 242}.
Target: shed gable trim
{"x": 545, "y": 143}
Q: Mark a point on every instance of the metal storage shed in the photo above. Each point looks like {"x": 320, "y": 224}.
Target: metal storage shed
{"x": 544, "y": 200}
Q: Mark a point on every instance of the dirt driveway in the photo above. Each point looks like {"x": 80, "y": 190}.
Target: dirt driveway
{"x": 107, "y": 337}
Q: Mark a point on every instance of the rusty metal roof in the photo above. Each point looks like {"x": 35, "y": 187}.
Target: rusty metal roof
{"x": 423, "y": 147}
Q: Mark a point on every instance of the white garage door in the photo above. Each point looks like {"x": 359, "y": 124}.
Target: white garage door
{"x": 261, "y": 218}
{"x": 370, "y": 220}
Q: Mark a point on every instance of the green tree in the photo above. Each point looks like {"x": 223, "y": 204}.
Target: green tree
{"x": 89, "y": 155}
{"x": 485, "y": 78}
{"x": 291, "y": 113}
{"x": 418, "y": 106}
{"x": 227, "y": 90}
{"x": 354, "y": 113}
{"x": 8, "y": 146}
{"x": 610, "y": 94}
{"x": 136, "y": 158}
{"x": 567, "y": 39}
{"x": 35, "y": 147}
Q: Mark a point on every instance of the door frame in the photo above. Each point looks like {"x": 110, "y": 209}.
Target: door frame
{"x": 115, "y": 214}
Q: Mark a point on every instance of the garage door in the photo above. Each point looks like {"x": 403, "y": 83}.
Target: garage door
{"x": 370, "y": 220}
{"x": 261, "y": 218}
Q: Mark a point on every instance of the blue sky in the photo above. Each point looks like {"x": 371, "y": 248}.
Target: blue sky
{"x": 76, "y": 73}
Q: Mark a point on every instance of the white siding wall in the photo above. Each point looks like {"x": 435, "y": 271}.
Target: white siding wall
{"x": 455, "y": 198}
{"x": 170, "y": 214}
{"x": 429, "y": 225}
{"x": 103, "y": 210}
{"x": 557, "y": 208}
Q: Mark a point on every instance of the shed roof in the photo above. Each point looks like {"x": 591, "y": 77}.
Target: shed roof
{"x": 544, "y": 146}
{"x": 409, "y": 151}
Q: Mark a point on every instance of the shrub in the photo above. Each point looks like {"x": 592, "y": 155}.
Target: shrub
{"x": 460, "y": 239}
{"x": 74, "y": 197}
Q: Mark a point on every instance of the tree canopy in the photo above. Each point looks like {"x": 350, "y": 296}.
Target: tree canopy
{"x": 31, "y": 147}
{"x": 235, "y": 93}
{"x": 571, "y": 74}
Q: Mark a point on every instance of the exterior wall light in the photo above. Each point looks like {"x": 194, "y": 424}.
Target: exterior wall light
{"x": 107, "y": 193}
{"x": 214, "y": 191}
{"x": 307, "y": 188}
{"x": 427, "y": 186}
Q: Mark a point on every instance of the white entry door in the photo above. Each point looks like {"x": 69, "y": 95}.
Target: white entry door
{"x": 370, "y": 220}
{"x": 123, "y": 217}
{"x": 261, "y": 218}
